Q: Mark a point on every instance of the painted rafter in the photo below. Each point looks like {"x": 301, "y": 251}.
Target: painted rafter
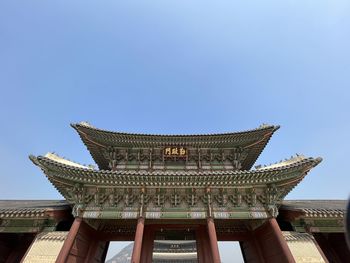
{"x": 220, "y": 178}
{"x": 315, "y": 215}
{"x": 255, "y": 193}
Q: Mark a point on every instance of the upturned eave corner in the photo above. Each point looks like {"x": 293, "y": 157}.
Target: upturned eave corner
{"x": 34, "y": 159}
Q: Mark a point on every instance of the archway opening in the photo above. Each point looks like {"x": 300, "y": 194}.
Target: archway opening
{"x": 119, "y": 251}
{"x": 230, "y": 252}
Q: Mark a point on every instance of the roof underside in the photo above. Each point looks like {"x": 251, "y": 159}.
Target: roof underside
{"x": 17, "y": 206}
{"x": 252, "y": 141}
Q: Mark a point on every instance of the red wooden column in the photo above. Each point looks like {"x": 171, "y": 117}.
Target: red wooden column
{"x": 68, "y": 243}
{"x": 203, "y": 245}
{"x": 251, "y": 249}
{"x": 272, "y": 243}
{"x": 136, "y": 252}
{"x": 199, "y": 245}
{"x": 213, "y": 240}
{"x": 280, "y": 239}
{"x": 147, "y": 244}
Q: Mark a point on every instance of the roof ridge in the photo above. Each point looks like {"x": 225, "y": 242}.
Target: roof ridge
{"x": 89, "y": 126}
{"x": 287, "y": 161}
{"x": 304, "y": 200}
{"x": 54, "y": 156}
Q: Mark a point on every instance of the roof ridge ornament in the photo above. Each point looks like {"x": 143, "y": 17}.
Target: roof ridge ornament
{"x": 55, "y": 157}
{"x": 87, "y": 124}
{"x": 264, "y": 125}
{"x": 286, "y": 161}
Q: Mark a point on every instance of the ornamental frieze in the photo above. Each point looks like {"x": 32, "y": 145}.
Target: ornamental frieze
{"x": 230, "y": 203}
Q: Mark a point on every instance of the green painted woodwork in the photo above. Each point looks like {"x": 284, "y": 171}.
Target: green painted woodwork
{"x": 324, "y": 225}
{"x": 175, "y": 215}
{"x": 135, "y": 177}
{"x": 30, "y": 225}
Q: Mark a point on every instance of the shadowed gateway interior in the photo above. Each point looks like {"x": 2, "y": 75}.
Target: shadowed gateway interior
{"x": 178, "y": 246}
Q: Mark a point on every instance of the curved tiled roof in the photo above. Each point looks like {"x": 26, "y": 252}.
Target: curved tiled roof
{"x": 52, "y": 236}
{"x": 316, "y": 208}
{"x": 30, "y": 208}
{"x": 286, "y": 162}
{"x": 96, "y": 139}
{"x": 60, "y": 159}
{"x": 294, "y": 171}
{"x": 166, "y": 137}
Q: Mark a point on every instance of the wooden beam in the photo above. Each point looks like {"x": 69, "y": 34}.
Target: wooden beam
{"x": 68, "y": 243}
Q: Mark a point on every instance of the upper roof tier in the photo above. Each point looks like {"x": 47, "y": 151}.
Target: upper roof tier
{"x": 99, "y": 142}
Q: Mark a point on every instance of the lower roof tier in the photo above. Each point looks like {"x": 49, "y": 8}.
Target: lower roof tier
{"x": 61, "y": 170}
{"x": 175, "y": 193}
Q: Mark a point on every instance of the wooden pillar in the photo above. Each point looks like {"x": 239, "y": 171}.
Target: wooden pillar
{"x": 207, "y": 249}
{"x": 92, "y": 250}
{"x": 273, "y": 245}
{"x": 280, "y": 239}
{"x": 97, "y": 251}
{"x": 320, "y": 250}
{"x": 203, "y": 245}
{"x": 136, "y": 252}
{"x": 251, "y": 250}
{"x": 68, "y": 243}
{"x": 147, "y": 244}
{"x": 199, "y": 245}
{"x": 333, "y": 246}
{"x": 213, "y": 240}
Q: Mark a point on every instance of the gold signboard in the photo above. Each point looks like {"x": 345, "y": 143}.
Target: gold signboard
{"x": 174, "y": 151}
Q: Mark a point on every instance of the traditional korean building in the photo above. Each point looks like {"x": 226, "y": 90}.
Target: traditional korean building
{"x": 175, "y": 196}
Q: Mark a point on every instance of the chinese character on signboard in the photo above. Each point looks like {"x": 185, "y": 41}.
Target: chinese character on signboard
{"x": 172, "y": 151}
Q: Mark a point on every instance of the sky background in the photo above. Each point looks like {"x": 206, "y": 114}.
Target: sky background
{"x": 174, "y": 67}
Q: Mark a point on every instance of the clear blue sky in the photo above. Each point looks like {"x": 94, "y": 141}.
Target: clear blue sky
{"x": 174, "y": 67}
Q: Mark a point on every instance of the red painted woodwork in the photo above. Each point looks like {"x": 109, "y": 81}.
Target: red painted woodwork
{"x": 266, "y": 244}
{"x": 147, "y": 244}
{"x": 334, "y": 246}
{"x": 82, "y": 245}
{"x": 97, "y": 251}
{"x": 273, "y": 246}
{"x": 13, "y": 246}
{"x": 251, "y": 250}
{"x": 199, "y": 245}
{"x": 203, "y": 245}
{"x": 66, "y": 248}
{"x": 136, "y": 252}
{"x": 213, "y": 240}
{"x": 263, "y": 245}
